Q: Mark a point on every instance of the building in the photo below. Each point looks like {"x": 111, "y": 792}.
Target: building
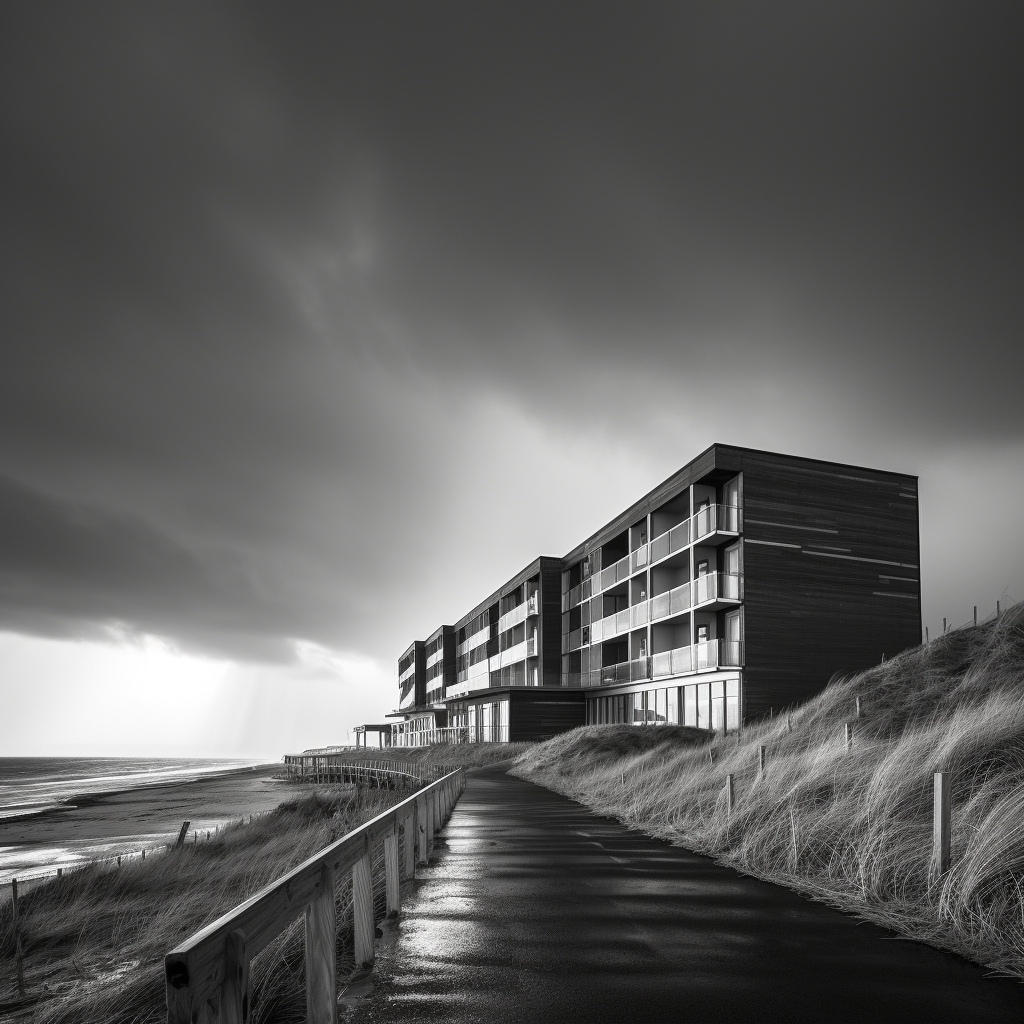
{"x": 736, "y": 588}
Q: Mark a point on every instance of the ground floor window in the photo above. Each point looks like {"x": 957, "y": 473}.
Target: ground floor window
{"x": 714, "y": 705}
{"x": 488, "y": 722}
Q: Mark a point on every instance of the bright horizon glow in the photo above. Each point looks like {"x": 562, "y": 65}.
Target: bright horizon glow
{"x": 144, "y": 698}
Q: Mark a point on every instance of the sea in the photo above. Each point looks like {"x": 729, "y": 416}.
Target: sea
{"x": 34, "y": 786}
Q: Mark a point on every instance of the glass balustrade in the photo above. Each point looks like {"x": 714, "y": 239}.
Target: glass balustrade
{"x": 575, "y": 638}
{"x": 639, "y": 669}
{"x": 672, "y": 602}
{"x": 622, "y": 621}
{"x": 597, "y": 631}
{"x": 706, "y": 655}
{"x": 638, "y": 558}
{"x": 639, "y": 613}
{"x": 715, "y": 586}
{"x": 512, "y": 617}
{"x": 513, "y": 654}
{"x": 533, "y": 604}
{"x": 531, "y": 647}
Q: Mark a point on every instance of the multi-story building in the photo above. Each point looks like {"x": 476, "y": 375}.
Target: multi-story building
{"x": 739, "y": 586}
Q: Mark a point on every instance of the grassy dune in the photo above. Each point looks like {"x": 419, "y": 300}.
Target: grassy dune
{"x": 852, "y": 828}
{"x": 470, "y": 755}
{"x": 94, "y": 941}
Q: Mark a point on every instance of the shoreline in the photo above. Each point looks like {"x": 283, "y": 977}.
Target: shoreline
{"x": 77, "y": 801}
{"x": 123, "y": 822}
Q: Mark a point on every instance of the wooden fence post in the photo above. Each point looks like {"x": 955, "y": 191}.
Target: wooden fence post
{"x": 730, "y": 792}
{"x": 849, "y": 736}
{"x": 392, "y": 883}
{"x": 975, "y": 614}
{"x": 410, "y": 845}
{"x": 362, "y": 909}
{"x": 860, "y": 708}
{"x": 321, "y": 932}
{"x": 941, "y": 801}
{"x": 183, "y": 833}
{"x": 423, "y": 830}
{"x": 761, "y": 758}
{"x": 234, "y": 992}
{"x": 19, "y": 964}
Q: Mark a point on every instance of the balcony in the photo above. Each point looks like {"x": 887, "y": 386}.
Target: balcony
{"x": 531, "y": 647}
{"x": 639, "y": 614}
{"x": 533, "y": 604}
{"x": 512, "y": 617}
{"x": 711, "y": 519}
{"x": 638, "y": 558}
{"x": 716, "y": 589}
{"x": 615, "y": 573}
{"x": 672, "y": 663}
{"x": 672, "y": 602}
{"x": 671, "y": 541}
{"x": 513, "y": 654}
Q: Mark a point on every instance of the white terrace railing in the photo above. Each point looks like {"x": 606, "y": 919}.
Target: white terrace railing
{"x": 207, "y": 975}
{"x": 328, "y": 768}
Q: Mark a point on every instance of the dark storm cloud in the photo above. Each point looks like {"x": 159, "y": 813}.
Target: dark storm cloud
{"x": 251, "y": 254}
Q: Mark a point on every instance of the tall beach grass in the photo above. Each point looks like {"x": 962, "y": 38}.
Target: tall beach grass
{"x": 94, "y": 940}
{"x": 851, "y": 827}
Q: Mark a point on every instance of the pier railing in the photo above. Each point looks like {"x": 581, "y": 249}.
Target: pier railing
{"x": 327, "y": 768}
{"x": 207, "y": 975}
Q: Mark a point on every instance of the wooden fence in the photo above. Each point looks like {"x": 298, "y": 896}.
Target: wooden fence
{"x": 207, "y": 976}
{"x": 339, "y": 767}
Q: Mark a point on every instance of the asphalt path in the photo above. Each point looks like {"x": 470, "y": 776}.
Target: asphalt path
{"x": 536, "y": 909}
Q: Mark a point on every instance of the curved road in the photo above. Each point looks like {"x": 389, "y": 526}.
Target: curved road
{"x": 539, "y": 910}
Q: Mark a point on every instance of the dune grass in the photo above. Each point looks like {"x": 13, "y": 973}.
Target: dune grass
{"x": 852, "y": 828}
{"x": 94, "y": 941}
{"x": 469, "y": 755}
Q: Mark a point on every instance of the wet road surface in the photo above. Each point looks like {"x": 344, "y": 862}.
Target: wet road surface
{"x": 538, "y": 910}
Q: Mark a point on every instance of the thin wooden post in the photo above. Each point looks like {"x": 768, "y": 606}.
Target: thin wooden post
{"x": 926, "y": 640}
{"x": 849, "y": 736}
{"x": 234, "y": 990}
{"x": 975, "y": 614}
{"x": 392, "y": 883}
{"x": 422, "y": 838}
{"x": 730, "y": 791}
{"x": 321, "y": 932}
{"x": 362, "y": 910}
{"x": 118, "y": 861}
{"x": 860, "y": 708}
{"x": 143, "y": 853}
{"x": 60, "y": 871}
{"x": 410, "y": 845}
{"x": 943, "y": 626}
{"x": 183, "y": 833}
{"x": 19, "y": 964}
{"x": 997, "y": 609}
{"x": 941, "y": 805}
{"x": 761, "y": 758}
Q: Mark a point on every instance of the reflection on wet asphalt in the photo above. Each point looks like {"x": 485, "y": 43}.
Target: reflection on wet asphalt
{"x": 538, "y": 910}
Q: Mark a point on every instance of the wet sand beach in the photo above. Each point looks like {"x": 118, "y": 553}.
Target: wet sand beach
{"x": 123, "y": 822}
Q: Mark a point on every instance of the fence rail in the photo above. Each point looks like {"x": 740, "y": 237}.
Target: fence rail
{"x": 207, "y": 975}
{"x": 329, "y": 768}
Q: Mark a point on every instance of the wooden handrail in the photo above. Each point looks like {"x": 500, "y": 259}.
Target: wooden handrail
{"x": 207, "y": 975}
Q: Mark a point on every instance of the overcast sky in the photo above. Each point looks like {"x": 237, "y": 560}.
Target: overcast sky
{"x": 308, "y": 310}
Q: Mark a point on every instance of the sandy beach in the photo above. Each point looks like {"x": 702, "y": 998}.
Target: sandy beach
{"x": 118, "y": 823}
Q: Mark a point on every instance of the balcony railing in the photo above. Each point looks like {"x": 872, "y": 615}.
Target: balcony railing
{"x": 638, "y": 558}
{"x": 533, "y": 604}
{"x": 531, "y": 647}
{"x": 708, "y": 520}
{"x": 512, "y": 617}
{"x": 672, "y": 602}
{"x": 672, "y": 663}
{"x": 614, "y": 573}
{"x": 716, "y": 586}
{"x": 513, "y": 654}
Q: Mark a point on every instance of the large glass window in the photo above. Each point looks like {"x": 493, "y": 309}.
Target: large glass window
{"x": 672, "y": 706}
{"x": 660, "y": 707}
{"x": 703, "y": 706}
{"x": 639, "y": 709}
{"x": 690, "y": 705}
